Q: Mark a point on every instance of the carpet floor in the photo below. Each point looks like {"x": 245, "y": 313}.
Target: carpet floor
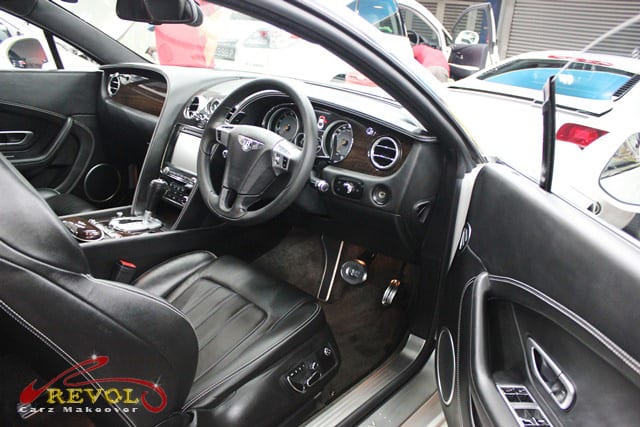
{"x": 365, "y": 331}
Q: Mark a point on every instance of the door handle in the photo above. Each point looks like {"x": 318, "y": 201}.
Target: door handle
{"x": 15, "y": 139}
{"x": 550, "y": 376}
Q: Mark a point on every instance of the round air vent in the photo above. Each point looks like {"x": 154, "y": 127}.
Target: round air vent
{"x": 194, "y": 107}
{"x": 113, "y": 85}
{"x": 384, "y": 153}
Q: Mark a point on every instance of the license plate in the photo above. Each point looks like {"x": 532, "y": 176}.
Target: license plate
{"x": 226, "y": 52}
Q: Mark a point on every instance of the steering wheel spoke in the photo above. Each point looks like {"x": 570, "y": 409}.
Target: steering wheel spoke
{"x": 236, "y": 205}
{"x": 223, "y": 134}
{"x": 285, "y": 156}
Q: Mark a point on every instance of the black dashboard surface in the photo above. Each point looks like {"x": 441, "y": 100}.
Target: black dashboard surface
{"x": 382, "y": 168}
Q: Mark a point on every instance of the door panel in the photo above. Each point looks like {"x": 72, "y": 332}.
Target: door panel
{"x": 474, "y": 38}
{"x": 537, "y": 269}
{"x": 54, "y": 111}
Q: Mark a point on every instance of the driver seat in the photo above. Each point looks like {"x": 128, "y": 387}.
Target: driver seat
{"x": 219, "y": 338}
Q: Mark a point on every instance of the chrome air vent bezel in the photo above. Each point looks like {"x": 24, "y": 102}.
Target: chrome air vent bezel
{"x": 113, "y": 85}
{"x": 385, "y": 153}
{"x": 194, "y": 106}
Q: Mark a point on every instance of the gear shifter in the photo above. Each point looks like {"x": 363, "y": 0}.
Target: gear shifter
{"x": 157, "y": 188}
{"x": 146, "y": 222}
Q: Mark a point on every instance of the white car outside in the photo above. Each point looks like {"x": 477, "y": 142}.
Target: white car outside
{"x": 255, "y": 46}
{"x": 598, "y": 103}
{"x": 252, "y": 45}
{"x": 19, "y": 40}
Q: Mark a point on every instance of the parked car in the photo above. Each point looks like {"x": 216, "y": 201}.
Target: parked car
{"x": 23, "y": 46}
{"x": 214, "y": 247}
{"x": 256, "y": 46}
{"x": 407, "y": 26}
{"x": 597, "y": 99}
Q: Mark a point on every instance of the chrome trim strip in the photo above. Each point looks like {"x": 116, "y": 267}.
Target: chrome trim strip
{"x": 358, "y": 395}
{"x": 447, "y": 399}
{"x": 320, "y": 296}
{"x": 408, "y": 399}
{"x": 26, "y": 137}
{"x": 428, "y": 415}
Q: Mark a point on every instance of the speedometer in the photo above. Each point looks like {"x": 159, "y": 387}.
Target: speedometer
{"x": 338, "y": 141}
{"x": 285, "y": 122}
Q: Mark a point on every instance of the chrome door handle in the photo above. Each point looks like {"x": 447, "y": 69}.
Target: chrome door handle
{"x": 550, "y": 376}
{"x": 15, "y": 138}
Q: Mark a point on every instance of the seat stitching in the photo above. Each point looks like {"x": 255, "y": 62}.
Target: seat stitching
{"x": 56, "y": 348}
{"x": 243, "y": 339}
{"x": 165, "y": 262}
{"x": 36, "y": 260}
{"x": 188, "y": 278}
{"x": 216, "y": 308}
{"x": 230, "y": 319}
{"x": 126, "y": 288}
{"x": 131, "y": 289}
{"x": 291, "y": 310}
{"x": 228, "y": 377}
{"x": 203, "y": 298}
{"x": 89, "y": 302}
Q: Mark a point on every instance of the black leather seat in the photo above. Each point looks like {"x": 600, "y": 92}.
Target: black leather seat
{"x": 218, "y": 336}
{"x": 64, "y": 203}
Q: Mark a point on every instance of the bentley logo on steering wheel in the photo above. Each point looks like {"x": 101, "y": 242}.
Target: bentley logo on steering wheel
{"x": 249, "y": 144}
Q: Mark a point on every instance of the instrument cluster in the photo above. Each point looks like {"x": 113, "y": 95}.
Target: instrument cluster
{"x": 335, "y": 134}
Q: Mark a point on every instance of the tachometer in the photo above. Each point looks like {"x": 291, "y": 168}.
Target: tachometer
{"x": 338, "y": 141}
{"x": 285, "y": 122}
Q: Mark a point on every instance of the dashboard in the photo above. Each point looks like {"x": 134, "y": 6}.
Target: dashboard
{"x": 379, "y": 167}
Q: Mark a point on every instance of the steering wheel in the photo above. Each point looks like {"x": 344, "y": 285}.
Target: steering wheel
{"x": 258, "y": 161}
{"x": 415, "y": 38}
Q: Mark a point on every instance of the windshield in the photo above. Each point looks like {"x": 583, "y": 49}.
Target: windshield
{"x": 229, "y": 40}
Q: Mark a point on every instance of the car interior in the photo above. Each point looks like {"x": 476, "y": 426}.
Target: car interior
{"x": 267, "y": 250}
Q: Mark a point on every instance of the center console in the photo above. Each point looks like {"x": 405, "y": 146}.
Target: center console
{"x": 179, "y": 166}
{"x": 175, "y": 187}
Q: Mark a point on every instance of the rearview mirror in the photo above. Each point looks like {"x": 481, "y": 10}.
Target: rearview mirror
{"x": 160, "y": 11}
{"x": 621, "y": 177}
{"x": 22, "y": 52}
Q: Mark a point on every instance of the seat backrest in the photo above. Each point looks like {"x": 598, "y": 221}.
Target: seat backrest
{"x": 53, "y": 314}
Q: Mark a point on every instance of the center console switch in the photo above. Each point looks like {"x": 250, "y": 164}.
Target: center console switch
{"x": 308, "y": 371}
{"x": 180, "y": 186}
{"x": 348, "y": 187}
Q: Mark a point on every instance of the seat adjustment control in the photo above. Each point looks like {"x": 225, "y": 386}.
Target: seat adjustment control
{"x": 311, "y": 370}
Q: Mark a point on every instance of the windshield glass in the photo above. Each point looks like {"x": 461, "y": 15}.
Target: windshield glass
{"x": 229, "y": 40}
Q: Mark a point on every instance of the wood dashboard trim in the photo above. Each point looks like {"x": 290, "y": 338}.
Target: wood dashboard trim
{"x": 144, "y": 95}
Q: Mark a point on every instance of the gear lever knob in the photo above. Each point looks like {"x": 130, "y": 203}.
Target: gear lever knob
{"x": 157, "y": 188}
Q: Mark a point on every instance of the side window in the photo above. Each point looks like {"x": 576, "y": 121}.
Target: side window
{"x": 420, "y": 30}
{"x": 73, "y": 58}
{"x": 23, "y": 46}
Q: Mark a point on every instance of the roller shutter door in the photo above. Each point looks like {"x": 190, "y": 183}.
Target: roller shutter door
{"x": 447, "y": 11}
{"x": 572, "y": 25}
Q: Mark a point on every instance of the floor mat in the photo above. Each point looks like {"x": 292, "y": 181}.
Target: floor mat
{"x": 366, "y": 332}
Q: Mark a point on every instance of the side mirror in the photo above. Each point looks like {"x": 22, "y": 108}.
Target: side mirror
{"x": 160, "y": 11}
{"x": 22, "y": 52}
{"x": 467, "y": 37}
{"x": 621, "y": 177}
